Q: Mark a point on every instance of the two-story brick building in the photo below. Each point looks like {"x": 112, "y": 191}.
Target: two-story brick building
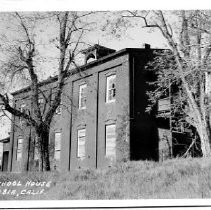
{"x": 102, "y": 119}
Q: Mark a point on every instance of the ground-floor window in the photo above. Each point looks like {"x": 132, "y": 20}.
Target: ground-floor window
{"x": 111, "y": 141}
{"x": 57, "y": 145}
{"x": 36, "y": 153}
{"x": 81, "y": 143}
{"x": 19, "y": 149}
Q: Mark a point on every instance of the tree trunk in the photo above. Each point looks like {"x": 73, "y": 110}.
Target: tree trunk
{"x": 43, "y": 148}
{"x": 46, "y": 160}
{"x": 204, "y": 135}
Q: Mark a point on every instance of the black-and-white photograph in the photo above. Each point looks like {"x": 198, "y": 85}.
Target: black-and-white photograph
{"x": 105, "y": 104}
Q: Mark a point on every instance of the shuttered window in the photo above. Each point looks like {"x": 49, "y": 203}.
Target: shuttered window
{"x": 81, "y": 143}
{"x": 57, "y": 146}
{"x": 111, "y": 141}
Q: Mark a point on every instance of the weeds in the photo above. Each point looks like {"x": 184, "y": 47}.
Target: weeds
{"x": 177, "y": 178}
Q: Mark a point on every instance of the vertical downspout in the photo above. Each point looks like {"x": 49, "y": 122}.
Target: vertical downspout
{"x": 29, "y": 147}
{"x": 70, "y": 139}
{"x": 170, "y": 121}
{"x": 131, "y": 99}
{"x": 97, "y": 100}
{"x": 30, "y": 138}
{"x": 12, "y": 139}
{"x": 133, "y": 95}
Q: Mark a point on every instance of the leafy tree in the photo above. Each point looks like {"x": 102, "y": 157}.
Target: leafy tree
{"x": 185, "y": 66}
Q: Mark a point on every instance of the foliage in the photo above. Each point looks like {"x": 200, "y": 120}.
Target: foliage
{"x": 183, "y": 71}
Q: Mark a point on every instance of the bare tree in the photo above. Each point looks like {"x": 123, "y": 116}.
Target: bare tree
{"x": 71, "y": 27}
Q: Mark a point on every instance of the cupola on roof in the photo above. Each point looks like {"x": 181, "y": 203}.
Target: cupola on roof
{"x": 95, "y": 52}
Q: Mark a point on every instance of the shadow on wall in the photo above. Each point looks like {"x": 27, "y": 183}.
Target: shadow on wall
{"x": 144, "y": 143}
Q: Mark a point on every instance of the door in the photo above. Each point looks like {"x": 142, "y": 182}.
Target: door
{"x": 5, "y": 161}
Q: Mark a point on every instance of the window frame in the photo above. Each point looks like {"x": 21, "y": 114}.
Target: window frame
{"x": 108, "y": 79}
{"x": 81, "y": 87}
{"x": 79, "y": 137}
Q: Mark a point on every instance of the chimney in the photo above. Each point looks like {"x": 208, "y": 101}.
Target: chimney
{"x": 147, "y": 46}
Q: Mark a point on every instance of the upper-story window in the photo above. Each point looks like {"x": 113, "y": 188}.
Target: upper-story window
{"x": 23, "y": 110}
{"x": 23, "y": 107}
{"x": 164, "y": 104}
{"x": 111, "y": 88}
{"x": 59, "y": 110}
{"x": 40, "y": 101}
{"x": 82, "y": 96}
{"x": 19, "y": 149}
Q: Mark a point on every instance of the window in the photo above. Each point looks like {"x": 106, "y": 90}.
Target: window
{"x": 19, "y": 149}
{"x": 111, "y": 88}
{"x": 82, "y": 96}
{"x": 57, "y": 146}
{"x": 36, "y": 154}
{"x": 40, "y": 101}
{"x": 164, "y": 104}
{"x": 22, "y": 108}
{"x": 1, "y": 154}
{"x": 59, "y": 110}
{"x": 111, "y": 141}
{"x": 81, "y": 143}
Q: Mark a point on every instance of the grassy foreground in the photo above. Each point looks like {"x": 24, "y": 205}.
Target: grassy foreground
{"x": 178, "y": 178}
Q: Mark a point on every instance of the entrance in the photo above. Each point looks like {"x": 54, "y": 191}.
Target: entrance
{"x": 5, "y": 161}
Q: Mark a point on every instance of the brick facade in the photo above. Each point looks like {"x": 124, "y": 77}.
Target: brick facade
{"x": 87, "y": 133}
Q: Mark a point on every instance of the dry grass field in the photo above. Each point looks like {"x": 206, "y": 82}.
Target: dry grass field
{"x": 177, "y": 178}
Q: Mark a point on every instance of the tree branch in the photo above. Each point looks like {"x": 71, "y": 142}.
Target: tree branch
{"x": 16, "y": 112}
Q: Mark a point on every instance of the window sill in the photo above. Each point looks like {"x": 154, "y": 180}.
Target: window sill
{"x": 82, "y": 108}
{"x": 109, "y": 102}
